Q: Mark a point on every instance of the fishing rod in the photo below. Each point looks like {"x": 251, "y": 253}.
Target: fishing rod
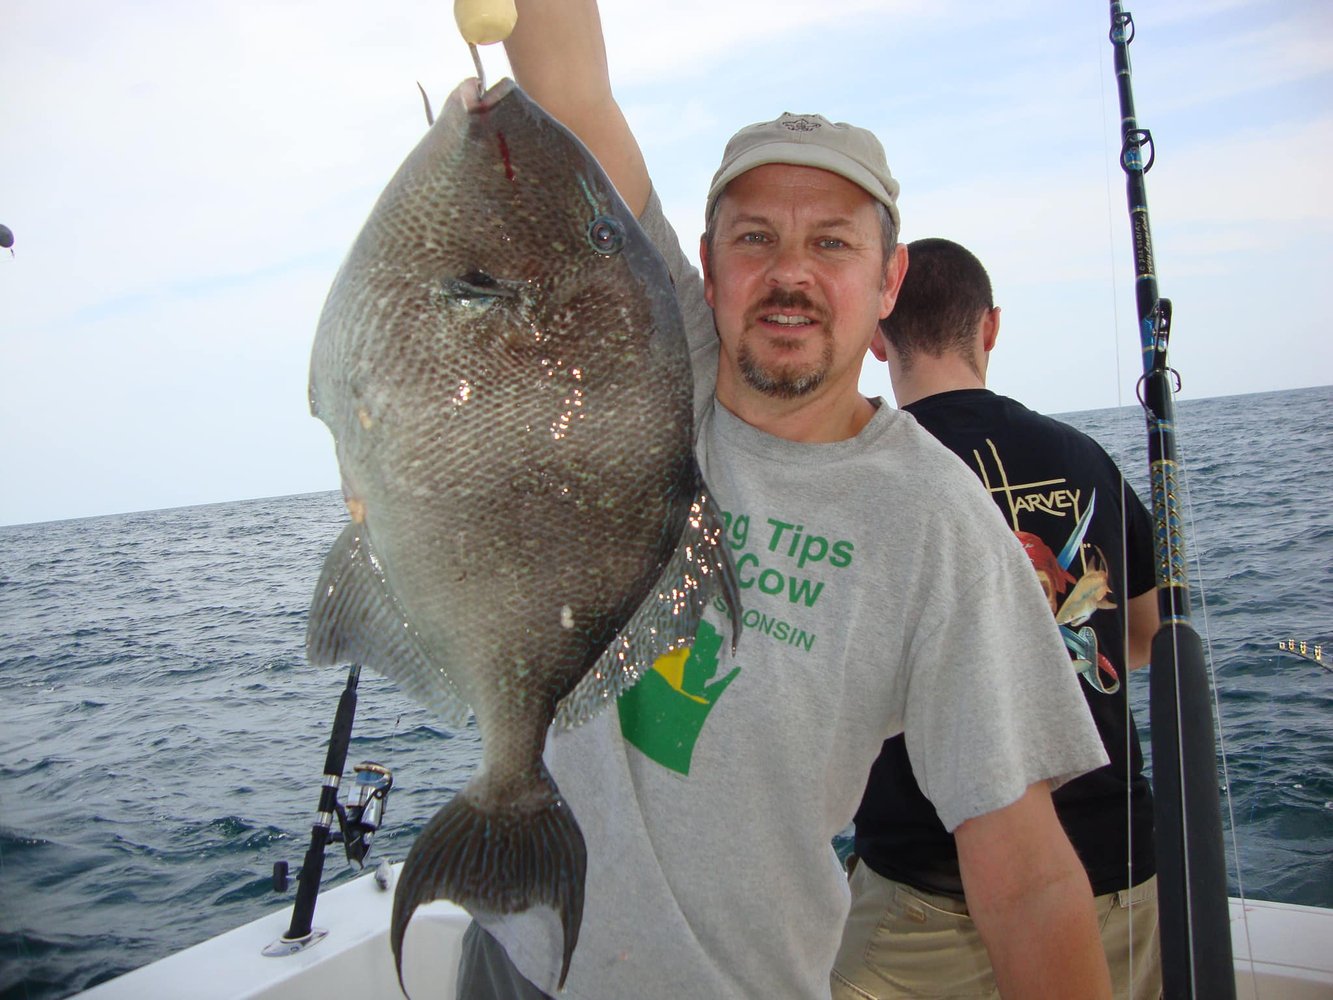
{"x": 357, "y": 823}
{"x": 1194, "y": 913}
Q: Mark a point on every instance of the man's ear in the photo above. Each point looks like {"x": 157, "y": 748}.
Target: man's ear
{"x": 707, "y": 266}
{"x": 879, "y": 345}
{"x": 894, "y": 272}
{"x": 990, "y": 329}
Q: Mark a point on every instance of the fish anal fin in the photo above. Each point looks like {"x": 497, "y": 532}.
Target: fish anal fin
{"x": 354, "y": 618}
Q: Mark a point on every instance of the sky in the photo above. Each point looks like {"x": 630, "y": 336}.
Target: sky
{"x": 183, "y": 179}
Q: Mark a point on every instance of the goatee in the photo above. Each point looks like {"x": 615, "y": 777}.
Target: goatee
{"x": 781, "y": 383}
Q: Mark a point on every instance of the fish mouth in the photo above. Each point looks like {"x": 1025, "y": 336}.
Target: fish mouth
{"x": 474, "y": 101}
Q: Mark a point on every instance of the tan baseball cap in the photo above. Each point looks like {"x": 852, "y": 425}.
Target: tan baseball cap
{"x": 810, "y": 141}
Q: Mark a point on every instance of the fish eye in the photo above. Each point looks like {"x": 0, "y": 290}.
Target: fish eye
{"x": 479, "y": 279}
{"x": 607, "y": 235}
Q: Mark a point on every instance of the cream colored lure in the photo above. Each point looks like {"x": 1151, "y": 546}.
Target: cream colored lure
{"x": 504, "y": 369}
{"x": 485, "y": 22}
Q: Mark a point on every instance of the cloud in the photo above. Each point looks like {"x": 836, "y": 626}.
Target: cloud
{"x": 183, "y": 180}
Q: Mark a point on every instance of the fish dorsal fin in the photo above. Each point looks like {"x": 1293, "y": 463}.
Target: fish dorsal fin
{"x": 354, "y": 618}
{"x": 699, "y": 571}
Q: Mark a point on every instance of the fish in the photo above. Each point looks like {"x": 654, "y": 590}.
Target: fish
{"x": 503, "y": 367}
{"x": 1090, "y": 594}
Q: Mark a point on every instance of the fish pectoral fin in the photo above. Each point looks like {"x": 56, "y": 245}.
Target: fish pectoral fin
{"x": 354, "y": 618}
{"x": 497, "y": 862}
{"x": 699, "y": 571}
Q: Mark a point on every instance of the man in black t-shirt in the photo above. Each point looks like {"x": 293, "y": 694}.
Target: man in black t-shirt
{"x": 1090, "y": 542}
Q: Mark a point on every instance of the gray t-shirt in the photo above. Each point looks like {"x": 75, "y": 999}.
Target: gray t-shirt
{"x": 882, "y": 593}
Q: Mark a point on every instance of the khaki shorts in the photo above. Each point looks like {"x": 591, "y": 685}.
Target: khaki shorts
{"x": 902, "y": 942}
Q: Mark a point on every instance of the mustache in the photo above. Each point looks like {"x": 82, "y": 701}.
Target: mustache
{"x": 787, "y": 298}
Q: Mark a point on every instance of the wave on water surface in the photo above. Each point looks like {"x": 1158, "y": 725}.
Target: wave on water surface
{"x": 165, "y": 737}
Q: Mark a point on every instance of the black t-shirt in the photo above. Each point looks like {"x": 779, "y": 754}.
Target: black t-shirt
{"x": 1067, "y": 502}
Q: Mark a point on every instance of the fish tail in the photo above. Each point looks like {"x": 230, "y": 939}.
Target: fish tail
{"x": 497, "y": 861}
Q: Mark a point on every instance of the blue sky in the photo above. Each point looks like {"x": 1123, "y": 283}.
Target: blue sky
{"x": 183, "y": 179}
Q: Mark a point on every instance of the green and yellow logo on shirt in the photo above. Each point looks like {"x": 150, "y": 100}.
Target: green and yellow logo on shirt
{"x": 663, "y": 714}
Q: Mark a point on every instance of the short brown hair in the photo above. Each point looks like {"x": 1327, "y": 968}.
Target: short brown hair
{"x": 943, "y": 296}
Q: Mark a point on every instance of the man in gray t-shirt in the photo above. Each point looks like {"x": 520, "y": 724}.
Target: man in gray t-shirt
{"x": 883, "y": 594}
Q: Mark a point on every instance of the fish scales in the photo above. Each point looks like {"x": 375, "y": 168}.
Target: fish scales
{"x": 504, "y": 370}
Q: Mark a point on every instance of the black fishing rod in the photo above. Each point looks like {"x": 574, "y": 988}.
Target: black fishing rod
{"x": 1194, "y": 914}
{"x": 357, "y": 823}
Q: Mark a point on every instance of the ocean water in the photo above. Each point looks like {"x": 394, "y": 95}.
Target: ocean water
{"x": 164, "y": 738}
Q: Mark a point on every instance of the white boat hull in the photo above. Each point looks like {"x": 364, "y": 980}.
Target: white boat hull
{"x": 353, "y": 960}
{"x": 1282, "y": 951}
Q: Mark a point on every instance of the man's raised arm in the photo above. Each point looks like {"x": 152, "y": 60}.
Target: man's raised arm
{"x": 559, "y": 58}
